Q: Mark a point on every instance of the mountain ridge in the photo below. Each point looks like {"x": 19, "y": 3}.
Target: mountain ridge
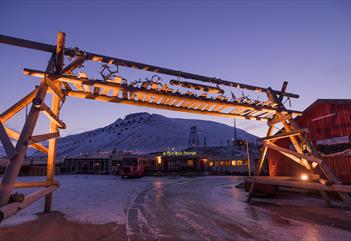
{"x": 144, "y": 133}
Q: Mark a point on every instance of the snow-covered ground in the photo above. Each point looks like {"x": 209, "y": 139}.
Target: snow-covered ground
{"x": 202, "y": 208}
{"x": 85, "y": 198}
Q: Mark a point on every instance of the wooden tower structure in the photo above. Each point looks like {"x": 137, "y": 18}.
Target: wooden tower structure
{"x": 186, "y": 92}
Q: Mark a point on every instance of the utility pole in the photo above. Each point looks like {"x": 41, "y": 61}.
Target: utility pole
{"x": 248, "y": 157}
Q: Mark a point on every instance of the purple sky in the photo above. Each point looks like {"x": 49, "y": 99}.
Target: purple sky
{"x": 307, "y": 43}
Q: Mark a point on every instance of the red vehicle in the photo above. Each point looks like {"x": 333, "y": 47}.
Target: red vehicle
{"x": 132, "y": 167}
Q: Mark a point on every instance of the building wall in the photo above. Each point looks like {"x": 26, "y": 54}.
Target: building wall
{"x": 324, "y": 119}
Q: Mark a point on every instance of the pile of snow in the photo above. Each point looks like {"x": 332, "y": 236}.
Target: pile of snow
{"x": 145, "y": 133}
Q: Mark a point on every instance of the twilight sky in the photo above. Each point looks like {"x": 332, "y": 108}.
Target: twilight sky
{"x": 261, "y": 43}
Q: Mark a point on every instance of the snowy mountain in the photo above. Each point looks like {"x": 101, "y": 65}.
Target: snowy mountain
{"x": 145, "y": 133}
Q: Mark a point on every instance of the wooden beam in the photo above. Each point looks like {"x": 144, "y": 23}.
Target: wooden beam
{"x": 102, "y": 84}
{"x": 84, "y": 95}
{"x": 18, "y": 106}
{"x": 36, "y": 184}
{"x": 52, "y": 151}
{"x": 12, "y": 208}
{"x": 60, "y": 51}
{"x": 282, "y": 135}
{"x": 309, "y": 158}
{"x": 74, "y": 64}
{"x": 132, "y": 64}
{"x": 14, "y": 135}
{"x": 51, "y": 115}
{"x": 43, "y": 137}
{"x": 283, "y": 90}
{"x": 6, "y": 143}
{"x": 279, "y": 119}
{"x": 300, "y": 184}
{"x": 55, "y": 90}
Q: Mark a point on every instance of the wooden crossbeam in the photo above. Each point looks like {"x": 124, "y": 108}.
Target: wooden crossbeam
{"x": 6, "y": 143}
{"x": 48, "y": 112}
{"x": 282, "y": 135}
{"x": 12, "y": 208}
{"x": 55, "y": 90}
{"x": 43, "y": 137}
{"x": 102, "y": 84}
{"x": 14, "y": 135}
{"x": 84, "y": 95}
{"x": 132, "y": 64}
{"x": 300, "y": 184}
{"x": 18, "y": 106}
{"x": 74, "y": 64}
{"x": 309, "y": 158}
{"x": 279, "y": 119}
{"x": 36, "y": 184}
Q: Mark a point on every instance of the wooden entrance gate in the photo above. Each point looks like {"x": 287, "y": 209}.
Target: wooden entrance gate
{"x": 199, "y": 95}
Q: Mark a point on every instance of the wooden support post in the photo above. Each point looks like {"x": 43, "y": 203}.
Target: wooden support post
{"x": 52, "y": 151}
{"x": 55, "y": 106}
{"x": 260, "y": 164}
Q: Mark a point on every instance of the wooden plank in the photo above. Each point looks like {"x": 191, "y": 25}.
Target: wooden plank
{"x": 14, "y": 135}
{"x": 12, "y": 208}
{"x": 6, "y": 143}
{"x": 43, "y": 137}
{"x": 73, "y": 79}
{"x": 55, "y": 89}
{"x": 84, "y": 95}
{"x": 132, "y": 64}
{"x": 74, "y": 64}
{"x": 60, "y": 51}
{"x": 36, "y": 184}
{"x": 79, "y": 86}
{"x": 18, "y": 106}
{"x": 51, "y": 115}
{"x": 279, "y": 119}
{"x": 301, "y": 184}
{"x": 282, "y": 135}
{"x": 309, "y": 158}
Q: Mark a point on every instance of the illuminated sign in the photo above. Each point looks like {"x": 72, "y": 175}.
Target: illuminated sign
{"x": 179, "y": 153}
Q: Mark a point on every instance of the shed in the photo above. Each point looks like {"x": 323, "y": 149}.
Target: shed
{"x": 329, "y": 124}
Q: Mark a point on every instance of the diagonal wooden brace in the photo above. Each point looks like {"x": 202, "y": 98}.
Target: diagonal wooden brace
{"x": 6, "y": 143}
{"x": 43, "y": 137}
{"x": 48, "y": 112}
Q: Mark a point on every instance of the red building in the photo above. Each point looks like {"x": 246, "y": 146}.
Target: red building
{"x": 329, "y": 125}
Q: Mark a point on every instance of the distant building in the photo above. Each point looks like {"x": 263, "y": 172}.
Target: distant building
{"x": 329, "y": 125}
{"x": 230, "y": 159}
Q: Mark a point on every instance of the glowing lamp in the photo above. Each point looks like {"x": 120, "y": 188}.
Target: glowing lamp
{"x": 304, "y": 177}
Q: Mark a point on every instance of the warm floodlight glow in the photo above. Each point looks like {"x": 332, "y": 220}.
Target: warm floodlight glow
{"x": 304, "y": 177}
{"x": 159, "y": 160}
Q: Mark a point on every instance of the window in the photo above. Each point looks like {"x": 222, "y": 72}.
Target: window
{"x": 239, "y": 163}
{"x": 233, "y": 163}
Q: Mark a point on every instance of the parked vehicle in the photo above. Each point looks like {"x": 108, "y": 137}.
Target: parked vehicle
{"x": 132, "y": 167}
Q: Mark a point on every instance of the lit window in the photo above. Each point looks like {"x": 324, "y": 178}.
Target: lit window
{"x": 211, "y": 164}
{"x": 239, "y": 163}
{"x": 233, "y": 163}
{"x": 222, "y": 163}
